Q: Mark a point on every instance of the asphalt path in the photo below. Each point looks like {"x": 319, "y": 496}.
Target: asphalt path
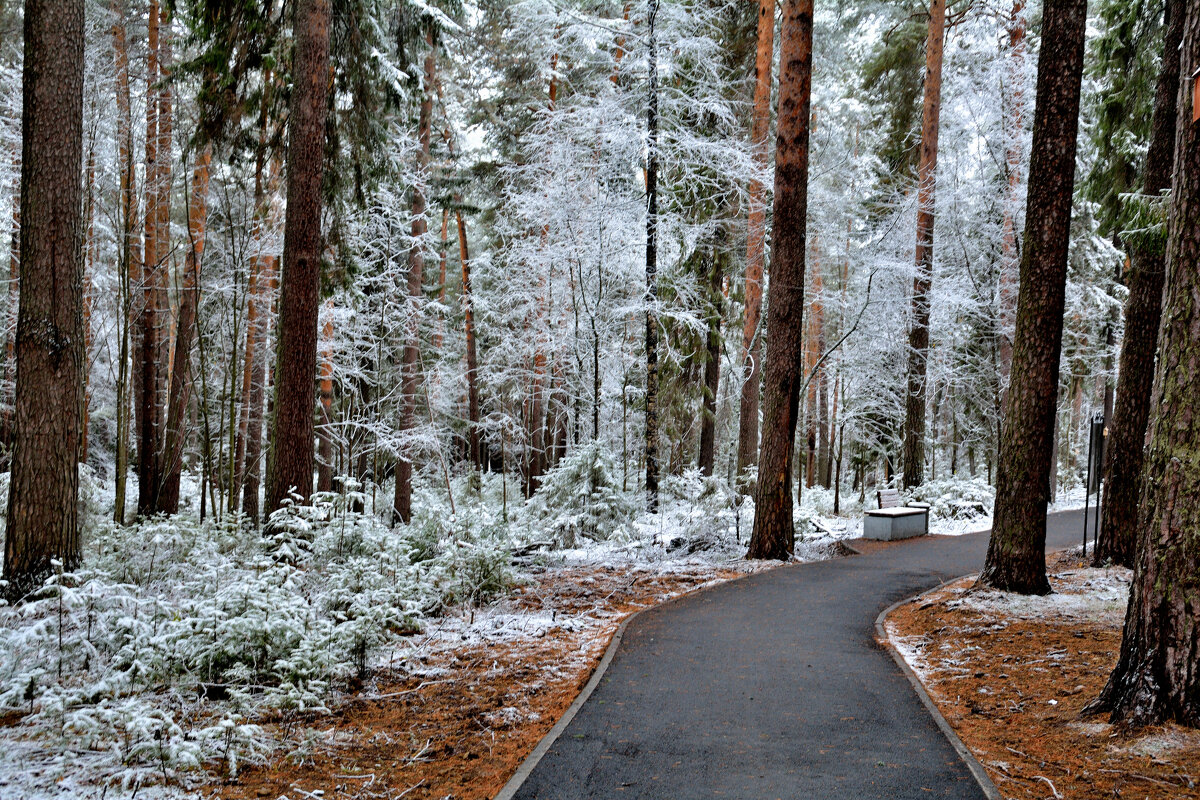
{"x": 772, "y": 687}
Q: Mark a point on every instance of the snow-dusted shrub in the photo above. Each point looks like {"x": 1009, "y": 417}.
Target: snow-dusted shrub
{"x": 581, "y": 497}
{"x": 955, "y": 497}
{"x": 175, "y": 631}
{"x": 697, "y": 512}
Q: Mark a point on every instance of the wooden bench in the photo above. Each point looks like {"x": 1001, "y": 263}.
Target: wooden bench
{"x": 893, "y": 521}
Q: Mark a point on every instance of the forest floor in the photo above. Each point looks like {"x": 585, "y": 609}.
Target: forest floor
{"x": 1011, "y": 675}
{"x": 477, "y": 694}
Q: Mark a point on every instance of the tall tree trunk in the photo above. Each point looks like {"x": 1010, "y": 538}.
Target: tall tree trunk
{"x": 439, "y": 334}
{"x": 324, "y": 435}
{"x": 402, "y": 502}
{"x": 712, "y": 363}
{"x": 147, "y": 370}
{"x": 774, "y": 534}
{"x": 43, "y": 497}
{"x": 918, "y": 334}
{"x": 162, "y": 228}
{"x": 1013, "y": 120}
{"x": 1016, "y": 559}
{"x": 180, "y": 397}
{"x": 756, "y": 238}
{"x": 90, "y": 251}
{"x": 652, "y": 267}
{"x": 815, "y": 375}
{"x": 10, "y": 316}
{"x": 129, "y": 266}
{"x": 464, "y": 258}
{"x": 1157, "y": 678}
{"x": 290, "y": 466}
{"x": 252, "y": 345}
{"x": 265, "y": 192}
{"x": 258, "y": 388}
{"x": 1147, "y": 261}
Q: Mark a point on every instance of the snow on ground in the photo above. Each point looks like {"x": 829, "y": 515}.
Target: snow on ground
{"x": 1096, "y": 595}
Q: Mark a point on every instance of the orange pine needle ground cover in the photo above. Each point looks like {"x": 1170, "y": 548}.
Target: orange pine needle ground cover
{"x": 461, "y": 726}
{"x": 1011, "y": 676}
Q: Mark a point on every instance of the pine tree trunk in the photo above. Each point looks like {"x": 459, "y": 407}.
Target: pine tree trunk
{"x": 918, "y": 334}
{"x": 402, "y": 502}
{"x": 162, "y": 228}
{"x": 146, "y": 374}
{"x": 652, "y": 269}
{"x": 258, "y": 388}
{"x": 1126, "y": 443}
{"x": 712, "y": 365}
{"x": 439, "y": 335}
{"x": 464, "y": 258}
{"x": 129, "y": 266}
{"x": 11, "y": 310}
{"x": 1013, "y": 118}
{"x": 185, "y": 330}
{"x": 760, "y": 145}
{"x": 42, "y": 519}
{"x": 252, "y": 345}
{"x": 1157, "y": 678}
{"x": 290, "y": 466}
{"x": 1016, "y": 559}
{"x": 324, "y": 436}
{"x": 774, "y": 533}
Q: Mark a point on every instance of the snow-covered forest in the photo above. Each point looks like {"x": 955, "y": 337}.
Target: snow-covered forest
{"x": 374, "y": 309}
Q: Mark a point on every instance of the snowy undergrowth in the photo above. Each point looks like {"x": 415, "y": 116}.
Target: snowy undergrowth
{"x": 157, "y": 659}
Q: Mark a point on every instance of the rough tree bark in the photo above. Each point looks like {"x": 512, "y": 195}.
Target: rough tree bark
{"x": 1157, "y": 677}
{"x": 42, "y": 521}
{"x": 774, "y": 533}
{"x": 252, "y": 474}
{"x": 712, "y": 363}
{"x": 290, "y": 466}
{"x": 130, "y": 253}
{"x": 652, "y": 268}
{"x": 1016, "y": 559}
{"x": 402, "y": 502}
{"x": 185, "y": 331}
{"x": 146, "y": 372}
{"x": 918, "y": 334}
{"x": 464, "y": 258}
{"x": 1147, "y": 262}
{"x": 756, "y": 239}
{"x": 324, "y": 438}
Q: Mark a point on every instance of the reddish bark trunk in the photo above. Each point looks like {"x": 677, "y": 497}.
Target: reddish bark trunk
{"x": 1013, "y": 116}
{"x": 469, "y": 331}
{"x": 918, "y": 334}
{"x": 42, "y": 532}
{"x": 185, "y": 332}
{"x": 774, "y": 533}
{"x": 290, "y": 467}
{"x": 756, "y": 239}
{"x": 324, "y": 437}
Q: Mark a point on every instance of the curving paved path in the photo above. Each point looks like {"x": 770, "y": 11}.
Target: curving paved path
{"x": 772, "y": 687}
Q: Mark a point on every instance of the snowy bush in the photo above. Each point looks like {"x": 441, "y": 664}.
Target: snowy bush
{"x": 955, "y": 497}
{"x": 581, "y": 497}
{"x": 173, "y": 632}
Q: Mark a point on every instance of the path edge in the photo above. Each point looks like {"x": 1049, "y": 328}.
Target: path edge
{"x": 510, "y": 788}
{"x": 964, "y": 752}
